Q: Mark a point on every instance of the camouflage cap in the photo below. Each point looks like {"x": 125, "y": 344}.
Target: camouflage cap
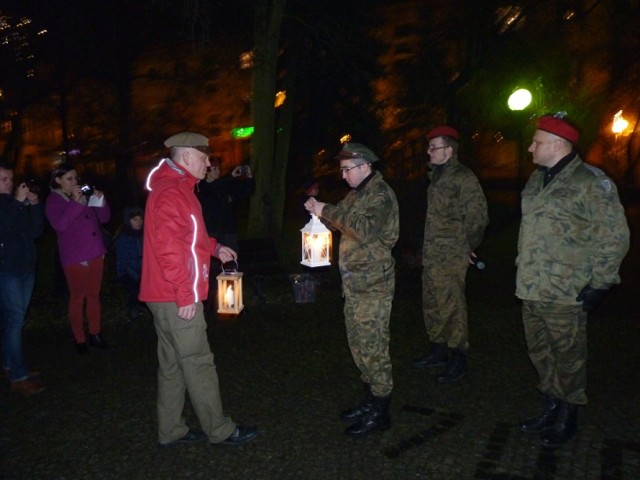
{"x": 188, "y": 140}
{"x": 356, "y": 151}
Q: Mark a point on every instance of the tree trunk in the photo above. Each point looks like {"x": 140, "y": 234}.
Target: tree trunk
{"x": 268, "y": 18}
{"x": 283, "y": 141}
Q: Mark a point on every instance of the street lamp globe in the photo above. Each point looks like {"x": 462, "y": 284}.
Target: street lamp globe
{"x": 620, "y": 124}
{"x": 520, "y": 99}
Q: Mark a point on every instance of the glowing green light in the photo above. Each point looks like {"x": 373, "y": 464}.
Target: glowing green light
{"x": 242, "y": 132}
{"x": 520, "y": 99}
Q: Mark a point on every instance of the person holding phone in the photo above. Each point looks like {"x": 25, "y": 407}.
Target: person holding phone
{"x": 77, "y": 219}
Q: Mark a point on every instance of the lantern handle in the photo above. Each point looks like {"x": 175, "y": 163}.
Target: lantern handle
{"x": 235, "y": 270}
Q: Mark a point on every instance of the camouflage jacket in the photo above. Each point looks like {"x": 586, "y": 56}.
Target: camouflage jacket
{"x": 368, "y": 219}
{"x": 456, "y": 213}
{"x": 573, "y": 233}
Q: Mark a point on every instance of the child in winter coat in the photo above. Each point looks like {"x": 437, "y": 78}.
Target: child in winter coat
{"x": 129, "y": 258}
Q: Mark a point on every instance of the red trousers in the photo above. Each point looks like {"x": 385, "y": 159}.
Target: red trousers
{"x": 84, "y": 282}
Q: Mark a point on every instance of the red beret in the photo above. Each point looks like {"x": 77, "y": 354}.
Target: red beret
{"x": 443, "y": 131}
{"x": 559, "y": 127}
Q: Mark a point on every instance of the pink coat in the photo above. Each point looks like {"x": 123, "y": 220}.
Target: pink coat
{"x": 77, "y": 227}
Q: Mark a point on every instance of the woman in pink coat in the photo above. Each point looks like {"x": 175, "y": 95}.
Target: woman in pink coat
{"x": 76, "y": 214}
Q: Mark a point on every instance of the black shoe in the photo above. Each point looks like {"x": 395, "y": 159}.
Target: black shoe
{"x": 546, "y": 418}
{"x": 240, "y": 436}
{"x": 192, "y": 436}
{"x": 376, "y": 420}
{"x": 437, "y": 357}
{"x": 456, "y": 368}
{"x": 357, "y": 412}
{"x": 565, "y": 427}
{"x": 82, "y": 348}
{"x": 98, "y": 342}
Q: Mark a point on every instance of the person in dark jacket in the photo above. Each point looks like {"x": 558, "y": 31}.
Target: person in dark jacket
{"x": 21, "y": 222}
{"x": 129, "y": 258}
{"x": 218, "y": 196}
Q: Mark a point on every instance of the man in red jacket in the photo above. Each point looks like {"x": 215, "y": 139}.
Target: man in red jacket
{"x": 175, "y": 279}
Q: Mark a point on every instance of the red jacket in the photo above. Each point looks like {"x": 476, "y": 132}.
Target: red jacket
{"x": 177, "y": 250}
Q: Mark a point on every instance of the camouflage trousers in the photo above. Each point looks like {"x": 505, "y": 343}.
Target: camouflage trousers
{"x": 557, "y": 345}
{"x": 367, "y": 322}
{"x": 444, "y": 305}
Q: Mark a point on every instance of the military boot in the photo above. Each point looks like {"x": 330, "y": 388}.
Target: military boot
{"x": 455, "y": 369}
{"x": 436, "y": 357}
{"x": 357, "y": 412}
{"x": 376, "y": 419}
{"x": 565, "y": 427}
{"x": 546, "y": 418}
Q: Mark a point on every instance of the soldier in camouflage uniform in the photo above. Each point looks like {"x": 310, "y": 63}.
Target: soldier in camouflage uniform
{"x": 454, "y": 227}
{"x": 369, "y": 223}
{"x": 573, "y": 237}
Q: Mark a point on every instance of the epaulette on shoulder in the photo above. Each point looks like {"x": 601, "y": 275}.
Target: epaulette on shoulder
{"x": 595, "y": 170}
{"x": 605, "y": 183}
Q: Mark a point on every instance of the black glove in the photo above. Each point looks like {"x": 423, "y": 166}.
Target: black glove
{"x": 590, "y": 297}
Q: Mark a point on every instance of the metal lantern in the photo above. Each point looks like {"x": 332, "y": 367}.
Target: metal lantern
{"x": 316, "y": 244}
{"x": 230, "y": 291}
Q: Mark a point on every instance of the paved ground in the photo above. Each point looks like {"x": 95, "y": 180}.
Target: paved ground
{"x": 286, "y": 367}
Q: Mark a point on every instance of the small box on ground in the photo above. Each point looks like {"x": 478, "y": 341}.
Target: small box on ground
{"x": 304, "y": 288}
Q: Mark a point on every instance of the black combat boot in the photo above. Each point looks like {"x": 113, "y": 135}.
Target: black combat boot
{"x": 546, "y": 418}
{"x": 376, "y": 419}
{"x": 436, "y": 357}
{"x": 455, "y": 369}
{"x": 565, "y": 427}
{"x": 355, "y": 413}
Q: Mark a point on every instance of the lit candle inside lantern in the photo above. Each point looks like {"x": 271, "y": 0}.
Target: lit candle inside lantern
{"x": 229, "y": 299}
{"x": 317, "y": 247}
{"x": 316, "y": 244}
{"x": 230, "y": 292}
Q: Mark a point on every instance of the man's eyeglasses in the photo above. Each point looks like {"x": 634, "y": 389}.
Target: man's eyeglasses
{"x": 348, "y": 169}
{"x": 433, "y": 147}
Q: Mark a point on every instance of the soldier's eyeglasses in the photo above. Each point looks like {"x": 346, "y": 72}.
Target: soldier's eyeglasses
{"x": 433, "y": 147}
{"x": 348, "y": 169}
